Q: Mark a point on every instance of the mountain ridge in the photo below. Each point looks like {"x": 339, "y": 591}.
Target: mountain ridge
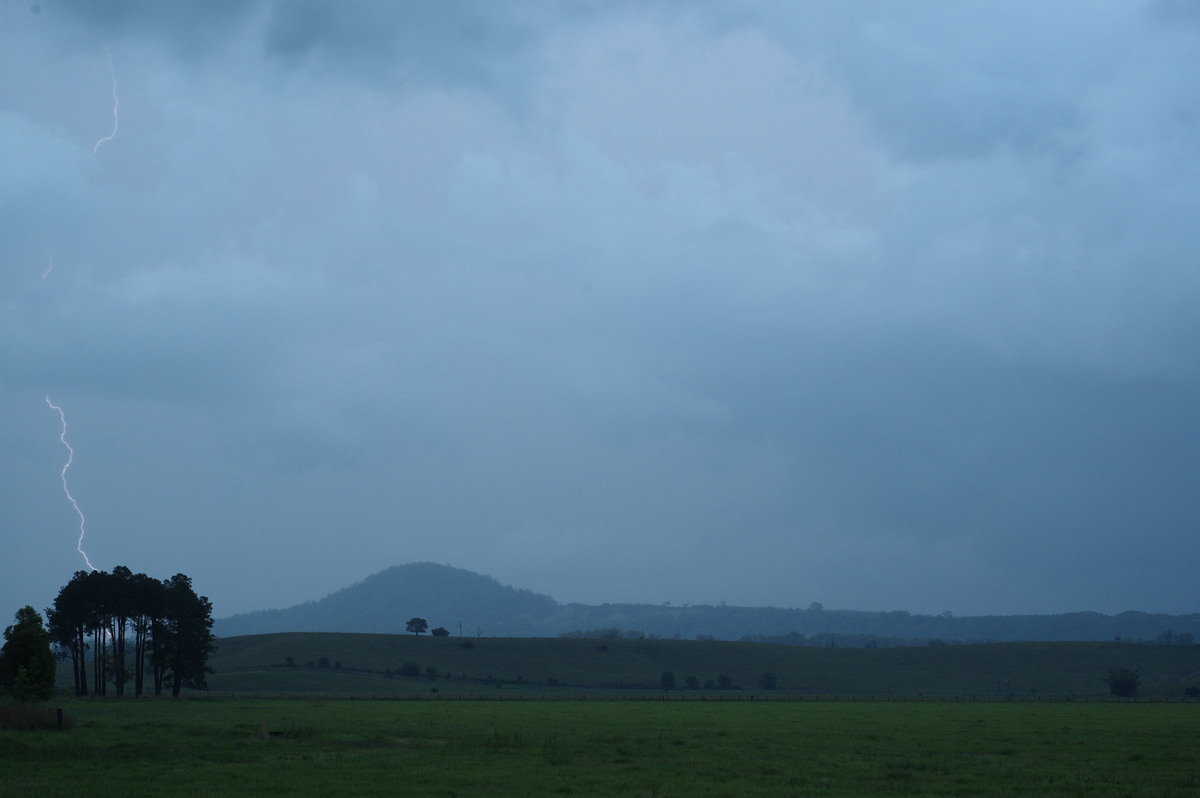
{"x": 472, "y": 605}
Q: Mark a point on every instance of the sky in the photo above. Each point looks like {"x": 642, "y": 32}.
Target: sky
{"x": 882, "y": 305}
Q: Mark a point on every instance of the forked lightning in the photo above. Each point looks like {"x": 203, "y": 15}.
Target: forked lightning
{"x": 70, "y": 458}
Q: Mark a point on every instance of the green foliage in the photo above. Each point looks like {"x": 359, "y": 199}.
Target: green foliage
{"x": 27, "y": 665}
{"x": 1123, "y": 681}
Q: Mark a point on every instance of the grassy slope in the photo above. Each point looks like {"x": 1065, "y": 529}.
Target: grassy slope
{"x": 256, "y": 662}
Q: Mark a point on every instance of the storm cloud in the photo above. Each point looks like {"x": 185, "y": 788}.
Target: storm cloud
{"x": 890, "y": 306}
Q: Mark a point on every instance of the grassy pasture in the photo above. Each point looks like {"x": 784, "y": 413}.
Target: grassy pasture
{"x": 256, "y": 664}
{"x": 239, "y": 746}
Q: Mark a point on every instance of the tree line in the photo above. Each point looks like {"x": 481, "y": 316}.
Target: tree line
{"x": 136, "y": 627}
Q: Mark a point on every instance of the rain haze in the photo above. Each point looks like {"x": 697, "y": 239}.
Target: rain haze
{"x": 883, "y": 305}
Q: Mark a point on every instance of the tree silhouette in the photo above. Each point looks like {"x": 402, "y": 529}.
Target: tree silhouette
{"x": 26, "y": 662}
{"x": 171, "y": 630}
{"x": 416, "y": 625}
{"x": 1123, "y": 681}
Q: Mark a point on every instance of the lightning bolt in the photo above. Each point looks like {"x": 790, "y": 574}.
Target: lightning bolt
{"x": 71, "y": 457}
{"x": 49, "y": 268}
{"x": 116, "y": 103}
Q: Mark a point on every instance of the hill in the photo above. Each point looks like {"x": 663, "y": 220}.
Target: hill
{"x": 371, "y": 664}
{"x": 383, "y": 603}
{"x": 475, "y": 605}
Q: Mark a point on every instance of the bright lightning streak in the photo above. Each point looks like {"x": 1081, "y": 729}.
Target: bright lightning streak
{"x": 70, "y": 458}
{"x": 116, "y": 103}
{"x": 49, "y": 268}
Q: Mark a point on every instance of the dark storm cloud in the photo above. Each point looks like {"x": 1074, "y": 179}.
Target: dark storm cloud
{"x": 883, "y": 305}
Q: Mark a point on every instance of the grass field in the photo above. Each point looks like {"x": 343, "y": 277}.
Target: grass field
{"x": 257, "y": 664}
{"x": 241, "y": 746}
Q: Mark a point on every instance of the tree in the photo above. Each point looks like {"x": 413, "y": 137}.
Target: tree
{"x": 26, "y": 662}
{"x": 667, "y": 680}
{"x": 441, "y": 631}
{"x": 68, "y": 620}
{"x": 1123, "y": 681}
{"x": 416, "y": 625}
{"x": 171, "y": 630}
{"x": 188, "y": 621}
{"x": 769, "y": 681}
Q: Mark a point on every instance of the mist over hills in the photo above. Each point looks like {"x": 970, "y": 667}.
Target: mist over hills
{"x": 471, "y": 604}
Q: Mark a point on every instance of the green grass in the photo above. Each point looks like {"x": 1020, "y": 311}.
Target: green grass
{"x": 256, "y": 664}
{"x": 239, "y": 746}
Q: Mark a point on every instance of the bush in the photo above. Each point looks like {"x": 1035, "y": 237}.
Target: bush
{"x": 1123, "y": 681}
{"x": 410, "y": 668}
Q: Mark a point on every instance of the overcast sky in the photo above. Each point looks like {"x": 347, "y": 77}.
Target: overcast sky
{"x": 883, "y": 305}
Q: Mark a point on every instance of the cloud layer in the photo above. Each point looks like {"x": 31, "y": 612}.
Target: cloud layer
{"x": 882, "y": 305}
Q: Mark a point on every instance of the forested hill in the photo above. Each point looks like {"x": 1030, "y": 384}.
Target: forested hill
{"x": 472, "y": 605}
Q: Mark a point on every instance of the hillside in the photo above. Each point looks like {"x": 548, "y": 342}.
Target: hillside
{"x": 479, "y": 605}
{"x": 371, "y": 663}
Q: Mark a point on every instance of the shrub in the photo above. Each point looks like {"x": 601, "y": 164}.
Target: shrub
{"x": 1123, "y": 681}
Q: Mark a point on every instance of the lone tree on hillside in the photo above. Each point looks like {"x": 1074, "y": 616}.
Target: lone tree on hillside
{"x": 441, "y": 631}
{"x": 417, "y": 625}
{"x": 26, "y": 662}
{"x": 1123, "y": 681}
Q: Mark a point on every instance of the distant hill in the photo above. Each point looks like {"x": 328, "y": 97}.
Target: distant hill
{"x": 383, "y": 603}
{"x": 470, "y": 604}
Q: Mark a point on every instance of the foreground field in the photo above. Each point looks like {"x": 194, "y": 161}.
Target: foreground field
{"x": 207, "y": 747}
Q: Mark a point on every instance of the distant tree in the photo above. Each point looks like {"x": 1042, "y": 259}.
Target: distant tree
{"x": 441, "y": 631}
{"x": 431, "y": 672}
{"x": 410, "y": 668}
{"x": 724, "y": 682}
{"x": 1123, "y": 681}
{"x": 26, "y": 662}
{"x": 667, "y": 680}
{"x": 416, "y": 625}
{"x": 692, "y": 683}
{"x": 768, "y": 681}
